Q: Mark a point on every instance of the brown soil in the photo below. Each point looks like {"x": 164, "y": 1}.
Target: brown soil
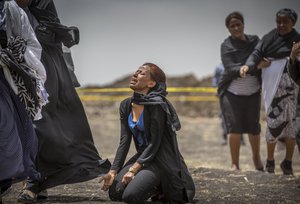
{"x": 208, "y": 161}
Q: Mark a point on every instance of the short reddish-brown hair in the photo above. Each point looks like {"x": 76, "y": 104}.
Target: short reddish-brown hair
{"x": 156, "y": 73}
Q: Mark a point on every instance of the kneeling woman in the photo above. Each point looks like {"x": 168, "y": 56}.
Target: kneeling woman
{"x": 157, "y": 170}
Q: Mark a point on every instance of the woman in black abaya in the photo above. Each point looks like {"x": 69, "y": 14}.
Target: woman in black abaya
{"x": 279, "y": 90}
{"x": 66, "y": 149}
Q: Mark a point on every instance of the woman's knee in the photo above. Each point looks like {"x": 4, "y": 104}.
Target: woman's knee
{"x": 131, "y": 197}
{"x": 114, "y": 193}
{"x": 114, "y": 196}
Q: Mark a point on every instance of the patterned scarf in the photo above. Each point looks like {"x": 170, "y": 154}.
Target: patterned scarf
{"x": 24, "y": 77}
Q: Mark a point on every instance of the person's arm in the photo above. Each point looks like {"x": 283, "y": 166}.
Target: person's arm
{"x": 255, "y": 60}
{"x": 23, "y": 3}
{"x": 231, "y": 67}
{"x": 295, "y": 52}
{"x": 294, "y": 64}
{"x": 257, "y": 57}
{"x": 125, "y": 140}
{"x": 122, "y": 150}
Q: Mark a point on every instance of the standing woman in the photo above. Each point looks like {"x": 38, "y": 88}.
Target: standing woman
{"x": 66, "y": 152}
{"x": 157, "y": 170}
{"x": 21, "y": 83}
{"x": 279, "y": 90}
{"x": 294, "y": 71}
{"x": 240, "y": 97}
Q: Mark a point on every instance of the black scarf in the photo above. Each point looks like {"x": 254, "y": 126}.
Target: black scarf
{"x": 274, "y": 46}
{"x": 157, "y": 95}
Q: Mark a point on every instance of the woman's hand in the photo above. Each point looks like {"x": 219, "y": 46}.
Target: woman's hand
{"x": 108, "y": 179}
{"x": 264, "y": 63}
{"x": 295, "y": 51}
{"x": 243, "y": 71}
{"x": 127, "y": 177}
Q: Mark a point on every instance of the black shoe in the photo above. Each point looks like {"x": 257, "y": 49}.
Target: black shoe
{"x": 42, "y": 195}
{"x": 5, "y": 187}
{"x": 286, "y": 167}
{"x": 4, "y": 191}
{"x": 27, "y": 196}
{"x": 260, "y": 169}
{"x": 270, "y": 166}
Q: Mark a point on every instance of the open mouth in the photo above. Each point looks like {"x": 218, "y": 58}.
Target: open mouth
{"x": 133, "y": 81}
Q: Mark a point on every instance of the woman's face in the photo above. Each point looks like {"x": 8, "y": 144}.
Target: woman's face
{"x": 236, "y": 28}
{"x": 141, "y": 81}
{"x": 284, "y": 24}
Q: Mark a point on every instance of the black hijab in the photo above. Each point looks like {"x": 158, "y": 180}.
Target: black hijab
{"x": 157, "y": 95}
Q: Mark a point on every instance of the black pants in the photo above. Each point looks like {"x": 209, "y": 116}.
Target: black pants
{"x": 138, "y": 190}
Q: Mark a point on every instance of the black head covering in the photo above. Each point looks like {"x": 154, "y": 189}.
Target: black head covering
{"x": 157, "y": 95}
{"x": 288, "y": 12}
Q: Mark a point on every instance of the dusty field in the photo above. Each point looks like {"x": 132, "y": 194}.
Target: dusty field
{"x": 209, "y": 162}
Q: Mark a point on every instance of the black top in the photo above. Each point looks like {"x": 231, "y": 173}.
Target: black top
{"x": 67, "y": 153}
{"x": 274, "y": 46}
{"x": 234, "y": 53}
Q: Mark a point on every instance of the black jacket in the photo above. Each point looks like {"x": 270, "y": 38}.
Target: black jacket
{"x": 162, "y": 150}
{"x": 274, "y": 46}
{"x": 234, "y": 53}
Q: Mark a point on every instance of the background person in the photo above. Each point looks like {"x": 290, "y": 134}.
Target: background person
{"x": 240, "y": 97}
{"x": 66, "y": 153}
{"x": 279, "y": 90}
{"x": 21, "y": 81}
{"x": 219, "y": 69}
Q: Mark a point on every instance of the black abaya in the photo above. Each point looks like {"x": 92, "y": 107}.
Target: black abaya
{"x": 66, "y": 153}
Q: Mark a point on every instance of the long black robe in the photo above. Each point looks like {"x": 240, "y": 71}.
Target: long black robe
{"x": 66, "y": 153}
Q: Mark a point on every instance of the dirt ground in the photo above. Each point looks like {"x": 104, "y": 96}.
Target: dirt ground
{"x": 208, "y": 161}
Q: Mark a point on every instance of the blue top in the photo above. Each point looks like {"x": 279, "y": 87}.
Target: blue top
{"x": 217, "y": 75}
{"x": 138, "y": 131}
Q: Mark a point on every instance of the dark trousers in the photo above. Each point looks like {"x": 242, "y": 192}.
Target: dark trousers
{"x": 138, "y": 190}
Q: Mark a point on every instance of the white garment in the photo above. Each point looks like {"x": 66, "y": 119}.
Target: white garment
{"x": 270, "y": 79}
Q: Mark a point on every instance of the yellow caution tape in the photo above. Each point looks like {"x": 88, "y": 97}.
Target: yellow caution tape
{"x": 169, "y": 89}
{"x": 93, "y": 96}
{"x": 171, "y": 98}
